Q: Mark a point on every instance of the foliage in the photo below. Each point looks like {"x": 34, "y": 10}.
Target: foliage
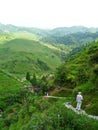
{"x": 21, "y": 51}
{"x": 34, "y": 80}
{"x": 81, "y": 38}
{"x": 10, "y": 90}
{"x": 28, "y": 76}
{"x": 80, "y": 73}
{"x": 19, "y": 56}
{"x": 42, "y": 114}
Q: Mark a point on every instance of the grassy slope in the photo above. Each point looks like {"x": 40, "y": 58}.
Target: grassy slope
{"x": 22, "y": 47}
{"x": 22, "y": 55}
{"x": 80, "y": 73}
{"x": 9, "y": 87}
{"x": 7, "y": 82}
{"x": 22, "y": 111}
{"x": 43, "y": 114}
{"x": 25, "y": 115}
{"x": 5, "y": 37}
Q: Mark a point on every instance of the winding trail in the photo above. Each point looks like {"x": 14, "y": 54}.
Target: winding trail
{"x": 69, "y": 106}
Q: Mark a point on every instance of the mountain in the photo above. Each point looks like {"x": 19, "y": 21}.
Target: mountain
{"x": 62, "y": 31}
{"x": 7, "y": 28}
{"x": 80, "y": 73}
{"x": 14, "y": 29}
{"x": 61, "y": 35}
{"x": 19, "y": 56}
{"x": 75, "y": 65}
{"x": 24, "y": 49}
{"x": 79, "y": 38}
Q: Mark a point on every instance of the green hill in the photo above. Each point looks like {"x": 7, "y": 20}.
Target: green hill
{"x": 22, "y": 51}
{"x": 78, "y": 38}
{"x": 80, "y": 73}
{"x": 19, "y": 56}
{"x": 62, "y": 31}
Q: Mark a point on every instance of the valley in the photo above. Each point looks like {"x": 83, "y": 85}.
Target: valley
{"x": 61, "y": 62}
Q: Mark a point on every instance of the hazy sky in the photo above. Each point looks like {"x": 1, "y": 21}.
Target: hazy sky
{"x": 49, "y": 13}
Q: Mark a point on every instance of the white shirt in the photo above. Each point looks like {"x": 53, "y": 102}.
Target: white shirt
{"x": 79, "y": 98}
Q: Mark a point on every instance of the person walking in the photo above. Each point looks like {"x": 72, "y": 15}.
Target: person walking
{"x": 79, "y": 99}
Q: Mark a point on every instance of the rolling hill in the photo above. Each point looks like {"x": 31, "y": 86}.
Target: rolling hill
{"x": 79, "y": 38}
{"x": 24, "y": 49}
{"x": 19, "y": 56}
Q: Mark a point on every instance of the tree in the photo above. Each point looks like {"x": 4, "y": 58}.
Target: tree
{"x": 34, "y": 80}
{"x": 61, "y": 75}
{"x": 28, "y": 76}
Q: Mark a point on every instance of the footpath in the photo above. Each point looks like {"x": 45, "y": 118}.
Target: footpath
{"x": 69, "y": 106}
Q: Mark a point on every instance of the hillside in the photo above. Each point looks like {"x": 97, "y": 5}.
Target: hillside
{"x": 9, "y": 89}
{"x": 79, "y": 38}
{"x": 19, "y": 56}
{"x": 62, "y": 31}
{"x": 23, "y": 110}
{"x": 14, "y": 29}
{"x": 80, "y": 73}
{"x": 76, "y": 69}
{"x": 61, "y": 35}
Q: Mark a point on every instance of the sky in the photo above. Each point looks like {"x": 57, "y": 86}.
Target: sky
{"x": 49, "y": 13}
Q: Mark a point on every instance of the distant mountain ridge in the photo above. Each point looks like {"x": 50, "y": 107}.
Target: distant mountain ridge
{"x": 63, "y": 35}
{"x": 60, "y": 31}
{"x": 73, "y": 38}
{"x": 12, "y": 29}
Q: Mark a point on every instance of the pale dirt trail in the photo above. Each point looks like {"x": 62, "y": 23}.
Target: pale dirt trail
{"x": 69, "y": 106}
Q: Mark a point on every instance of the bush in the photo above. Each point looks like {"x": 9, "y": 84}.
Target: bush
{"x": 93, "y": 109}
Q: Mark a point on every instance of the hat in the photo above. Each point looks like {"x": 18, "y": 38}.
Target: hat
{"x": 79, "y": 92}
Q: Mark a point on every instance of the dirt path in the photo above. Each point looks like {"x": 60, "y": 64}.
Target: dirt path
{"x": 69, "y": 106}
{"x": 53, "y": 97}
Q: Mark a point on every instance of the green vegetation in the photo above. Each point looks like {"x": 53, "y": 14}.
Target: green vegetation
{"x": 9, "y": 90}
{"x": 19, "y": 56}
{"x": 80, "y": 73}
{"x": 35, "y": 57}
{"x": 4, "y": 37}
{"x": 72, "y": 39}
{"x": 36, "y": 113}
